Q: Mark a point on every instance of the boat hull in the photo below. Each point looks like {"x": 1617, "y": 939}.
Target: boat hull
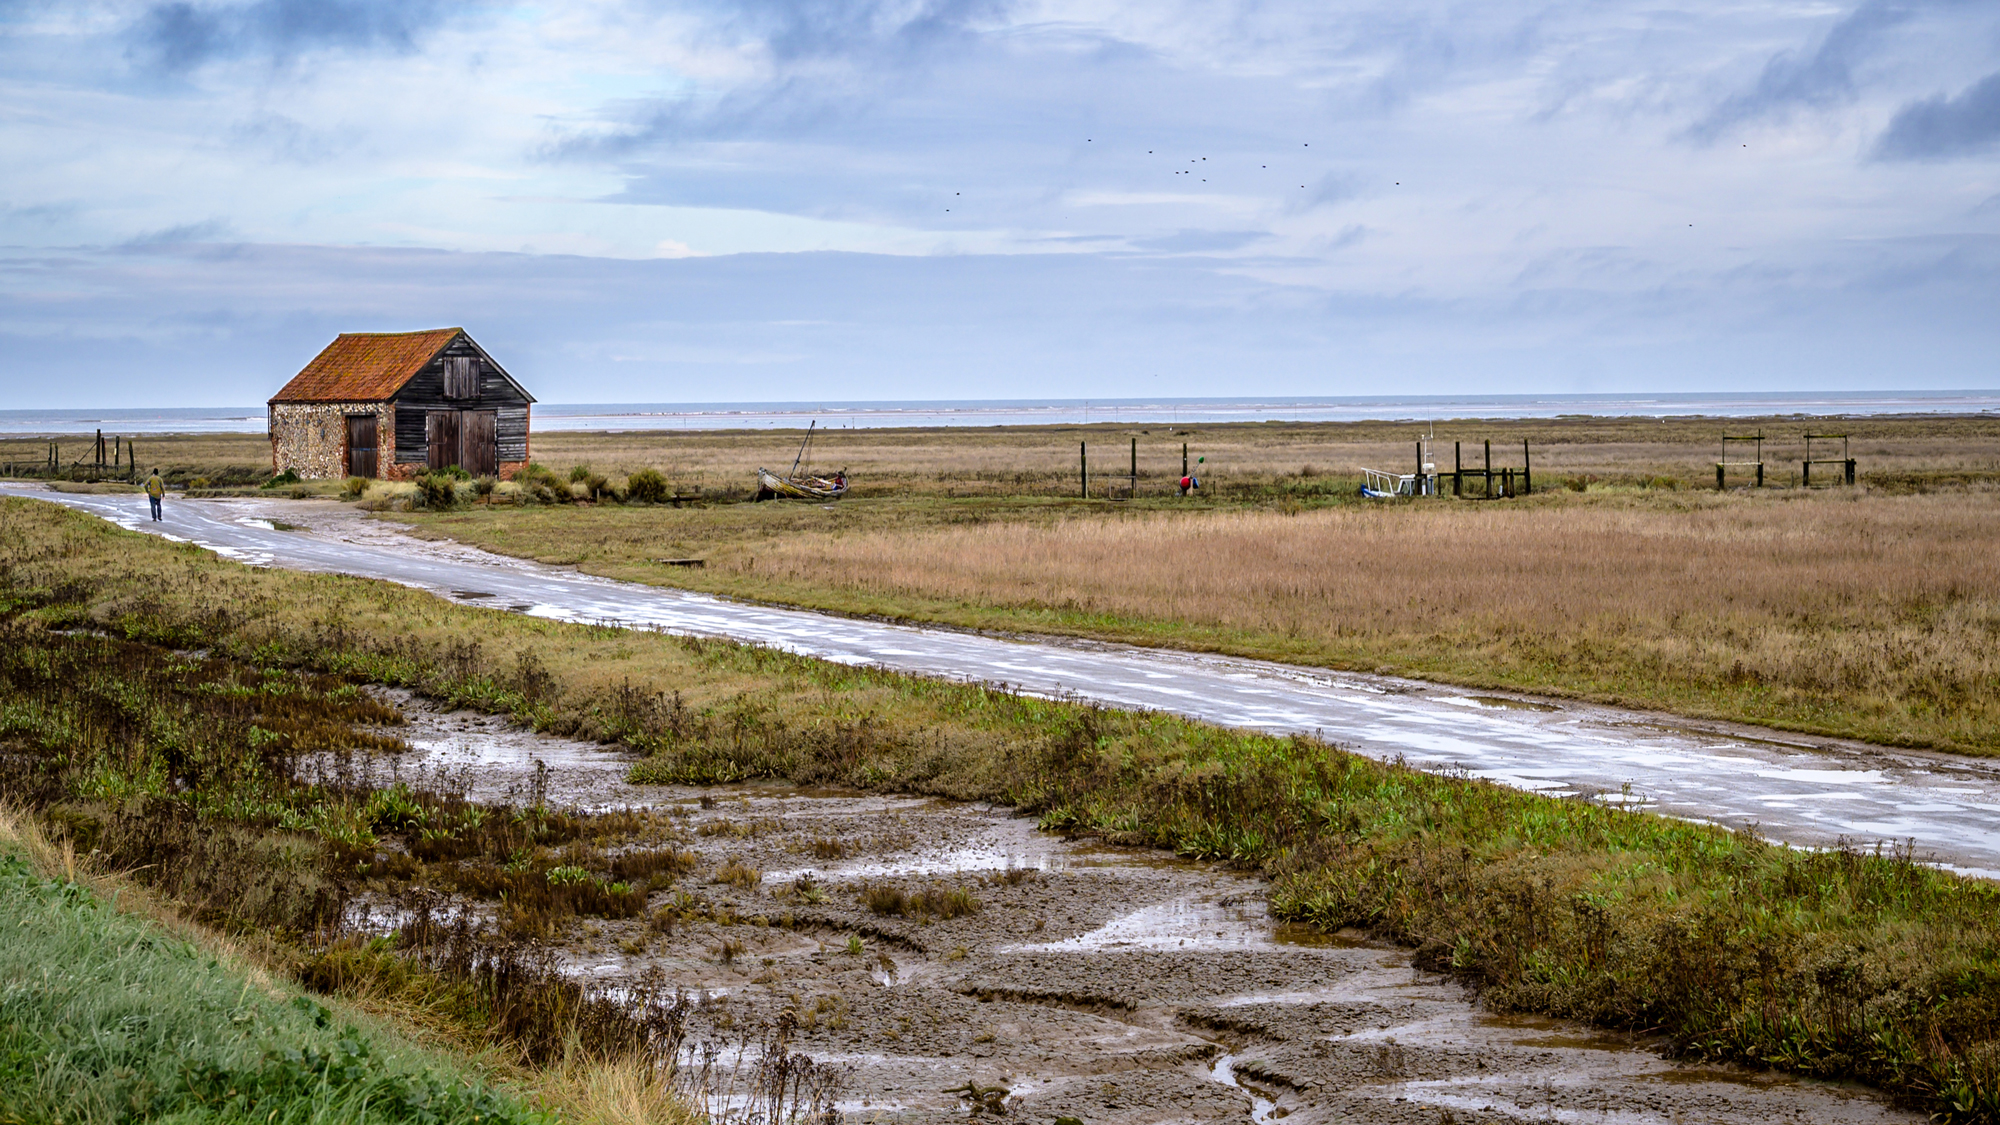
{"x": 770, "y": 484}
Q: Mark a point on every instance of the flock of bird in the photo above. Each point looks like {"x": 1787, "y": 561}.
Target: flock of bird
{"x": 1197, "y": 161}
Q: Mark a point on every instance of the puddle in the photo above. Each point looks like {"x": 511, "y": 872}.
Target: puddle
{"x": 1261, "y": 1106}
{"x": 1192, "y": 925}
{"x": 1496, "y": 702}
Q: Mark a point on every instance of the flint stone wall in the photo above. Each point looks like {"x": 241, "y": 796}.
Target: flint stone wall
{"x": 310, "y": 438}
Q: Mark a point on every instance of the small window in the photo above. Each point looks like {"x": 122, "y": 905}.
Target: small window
{"x": 461, "y": 377}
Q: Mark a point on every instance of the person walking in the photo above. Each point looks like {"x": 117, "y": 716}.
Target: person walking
{"x": 155, "y": 490}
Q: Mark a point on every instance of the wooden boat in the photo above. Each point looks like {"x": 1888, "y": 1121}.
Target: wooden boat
{"x": 799, "y": 484}
{"x": 772, "y": 485}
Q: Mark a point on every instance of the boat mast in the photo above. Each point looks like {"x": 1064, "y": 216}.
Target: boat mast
{"x": 802, "y": 447}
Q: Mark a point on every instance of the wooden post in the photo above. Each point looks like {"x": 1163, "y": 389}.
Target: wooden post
{"x": 1718, "y": 476}
{"x": 1184, "y": 471}
{"x": 1134, "y": 493}
{"x": 1850, "y": 470}
{"x": 1489, "y": 470}
{"x": 1457, "y": 469}
{"x": 1760, "y": 471}
{"x": 1083, "y": 468}
{"x": 1527, "y": 473}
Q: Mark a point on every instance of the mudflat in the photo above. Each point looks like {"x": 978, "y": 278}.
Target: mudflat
{"x": 1115, "y": 985}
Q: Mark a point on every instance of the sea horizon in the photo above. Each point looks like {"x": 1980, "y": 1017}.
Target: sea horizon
{"x": 882, "y": 414}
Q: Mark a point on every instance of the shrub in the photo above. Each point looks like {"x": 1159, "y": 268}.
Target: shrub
{"x": 198, "y": 482}
{"x": 289, "y": 476}
{"x": 598, "y": 487}
{"x": 484, "y": 487}
{"x": 354, "y": 487}
{"x": 647, "y": 486}
{"x": 437, "y": 490}
{"x": 579, "y": 473}
{"x": 541, "y": 486}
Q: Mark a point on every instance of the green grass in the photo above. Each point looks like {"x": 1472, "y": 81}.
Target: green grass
{"x": 1833, "y": 963}
{"x": 106, "y": 1019}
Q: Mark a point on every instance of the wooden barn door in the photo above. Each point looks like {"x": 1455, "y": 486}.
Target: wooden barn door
{"x": 479, "y": 434}
{"x": 361, "y": 445}
{"x": 441, "y": 430}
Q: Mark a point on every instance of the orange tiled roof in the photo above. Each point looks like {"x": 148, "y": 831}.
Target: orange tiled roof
{"x": 365, "y": 366}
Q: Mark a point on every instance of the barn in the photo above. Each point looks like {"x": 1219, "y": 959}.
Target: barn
{"x": 395, "y": 404}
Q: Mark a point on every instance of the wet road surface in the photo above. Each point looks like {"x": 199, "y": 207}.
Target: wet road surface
{"x": 1791, "y": 787}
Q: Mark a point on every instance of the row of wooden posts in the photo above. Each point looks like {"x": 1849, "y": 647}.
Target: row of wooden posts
{"x": 119, "y": 454}
{"x": 1510, "y": 481}
{"x": 1843, "y": 465}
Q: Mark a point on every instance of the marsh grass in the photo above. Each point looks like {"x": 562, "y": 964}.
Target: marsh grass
{"x": 1837, "y": 963}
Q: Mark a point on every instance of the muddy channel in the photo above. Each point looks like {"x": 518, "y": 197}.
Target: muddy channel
{"x": 1112, "y": 985}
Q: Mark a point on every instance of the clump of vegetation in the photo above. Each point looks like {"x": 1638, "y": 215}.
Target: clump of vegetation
{"x": 353, "y": 487}
{"x": 289, "y": 476}
{"x": 739, "y": 875}
{"x": 437, "y": 490}
{"x": 483, "y": 487}
{"x": 540, "y": 485}
{"x": 934, "y": 901}
{"x": 647, "y": 486}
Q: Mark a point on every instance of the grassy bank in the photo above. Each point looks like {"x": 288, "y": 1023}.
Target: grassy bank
{"x": 1836, "y": 963}
{"x": 109, "y": 1019}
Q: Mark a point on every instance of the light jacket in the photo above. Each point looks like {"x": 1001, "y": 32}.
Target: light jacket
{"x": 155, "y": 487}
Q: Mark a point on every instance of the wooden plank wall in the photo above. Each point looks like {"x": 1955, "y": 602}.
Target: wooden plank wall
{"x": 426, "y": 393}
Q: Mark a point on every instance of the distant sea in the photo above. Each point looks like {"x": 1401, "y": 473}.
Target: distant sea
{"x": 615, "y": 417}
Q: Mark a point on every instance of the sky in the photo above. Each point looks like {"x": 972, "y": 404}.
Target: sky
{"x": 634, "y": 201}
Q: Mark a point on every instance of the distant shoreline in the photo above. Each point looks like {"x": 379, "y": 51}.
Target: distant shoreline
{"x": 691, "y": 417}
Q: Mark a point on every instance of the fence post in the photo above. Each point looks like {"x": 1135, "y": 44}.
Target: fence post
{"x": 1850, "y": 470}
{"x": 1457, "y": 468}
{"x": 1488, "y": 495}
{"x": 1083, "y": 469}
{"x": 1527, "y": 471}
{"x": 1184, "y": 471}
{"x": 1134, "y": 494}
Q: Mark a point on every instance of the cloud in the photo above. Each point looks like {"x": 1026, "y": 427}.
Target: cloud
{"x": 817, "y": 61}
{"x": 208, "y": 230}
{"x": 174, "y": 38}
{"x": 1941, "y": 127}
{"x": 1819, "y": 80}
{"x": 1201, "y": 241}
